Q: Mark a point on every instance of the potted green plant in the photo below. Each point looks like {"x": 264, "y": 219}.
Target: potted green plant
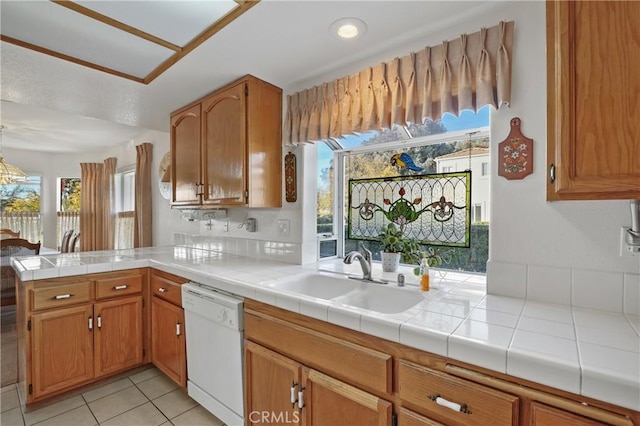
{"x": 395, "y": 246}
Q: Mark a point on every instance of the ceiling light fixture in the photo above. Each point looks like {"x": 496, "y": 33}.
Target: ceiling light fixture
{"x": 348, "y": 28}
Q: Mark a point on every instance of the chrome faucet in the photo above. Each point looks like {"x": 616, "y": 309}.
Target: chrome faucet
{"x": 365, "y": 263}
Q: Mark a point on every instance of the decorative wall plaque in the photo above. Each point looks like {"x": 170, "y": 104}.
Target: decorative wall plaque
{"x": 291, "y": 193}
{"x": 515, "y": 154}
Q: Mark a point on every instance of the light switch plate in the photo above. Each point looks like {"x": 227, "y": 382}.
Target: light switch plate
{"x": 284, "y": 227}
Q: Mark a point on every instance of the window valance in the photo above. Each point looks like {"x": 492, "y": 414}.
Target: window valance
{"x": 467, "y": 73}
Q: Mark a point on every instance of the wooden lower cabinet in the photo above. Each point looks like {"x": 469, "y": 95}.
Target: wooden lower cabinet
{"x": 344, "y": 380}
{"x": 328, "y": 401}
{"x": 118, "y": 335}
{"x": 168, "y": 345}
{"x": 543, "y": 415}
{"x": 79, "y": 329}
{"x": 62, "y": 355}
{"x": 281, "y": 391}
{"x": 270, "y": 379}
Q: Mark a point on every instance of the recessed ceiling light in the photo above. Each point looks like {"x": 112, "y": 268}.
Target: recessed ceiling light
{"x": 348, "y": 28}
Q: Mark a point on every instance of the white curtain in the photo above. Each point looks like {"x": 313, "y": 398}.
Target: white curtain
{"x": 28, "y": 223}
{"x": 124, "y": 230}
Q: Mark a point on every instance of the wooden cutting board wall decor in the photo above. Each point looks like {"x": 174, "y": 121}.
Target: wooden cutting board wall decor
{"x": 515, "y": 154}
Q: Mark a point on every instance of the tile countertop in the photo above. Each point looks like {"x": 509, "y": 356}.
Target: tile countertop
{"x": 585, "y": 351}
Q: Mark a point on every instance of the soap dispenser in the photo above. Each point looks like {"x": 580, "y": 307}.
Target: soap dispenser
{"x": 424, "y": 271}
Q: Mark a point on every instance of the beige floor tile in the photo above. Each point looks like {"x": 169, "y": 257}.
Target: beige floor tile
{"x": 117, "y": 403}
{"x": 12, "y": 418}
{"x": 105, "y": 390}
{"x": 53, "y": 410}
{"x": 80, "y": 416}
{"x": 144, "y": 415}
{"x": 174, "y": 403}
{"x": 157, "y": 386}
{"x": 8, "y": 388}
{"x": 9, "y": 400}
{"x": 145, "y": 375}
{"x": 197, "y": 416}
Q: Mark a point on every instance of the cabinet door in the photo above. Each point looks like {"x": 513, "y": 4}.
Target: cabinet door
{"x": 329, "y": 401}
{"x": 62, "y": 351}
{"x": 593, "y": 123}
{"x": 185, "y": 156}
{"x": 543, "y": 415}
{"x": 411, "y": 418}
{"x": 224, "y": 147}
{"x": 269, "y": 378}
{"x": 168, "y": 348}
{"x": 118, "y": 334}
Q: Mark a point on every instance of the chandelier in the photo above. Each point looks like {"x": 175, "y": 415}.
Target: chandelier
{"x": 10, "y": 174}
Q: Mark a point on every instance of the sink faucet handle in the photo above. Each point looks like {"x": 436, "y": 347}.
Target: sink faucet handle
{"x": 366, "y": 252}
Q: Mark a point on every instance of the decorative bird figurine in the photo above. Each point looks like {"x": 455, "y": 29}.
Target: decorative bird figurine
{"x": 404, "y": 160}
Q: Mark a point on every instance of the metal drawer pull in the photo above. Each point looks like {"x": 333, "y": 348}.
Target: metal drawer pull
{"x": 90, "y": 323}
{"x": 461, "y": 408}
{"x": 62, "y": 296}
{"x": 162, "y": 290}
{"x": 120, "y": 287}
{"x": 177, "y": 329}
{"x": 99, "y": 321}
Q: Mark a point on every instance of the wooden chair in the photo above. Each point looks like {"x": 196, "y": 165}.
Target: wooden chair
{"x": 12, "y": 247}
{"x": 8, "y": 233}
{"x": 74, "y": 245}
{"x": 66, "y": 238}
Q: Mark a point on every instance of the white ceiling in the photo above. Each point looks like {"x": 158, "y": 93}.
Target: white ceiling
{"x": 47, "y": 101}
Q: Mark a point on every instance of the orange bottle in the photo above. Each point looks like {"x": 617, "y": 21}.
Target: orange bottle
{"x": 424, "y": 280}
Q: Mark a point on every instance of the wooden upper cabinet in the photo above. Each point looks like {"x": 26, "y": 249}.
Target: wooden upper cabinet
{"x": 185, "y": 156}
{"x": 224, "y": 147}
{"x": 237, "y": 160}
{"x": 593, "y": 122}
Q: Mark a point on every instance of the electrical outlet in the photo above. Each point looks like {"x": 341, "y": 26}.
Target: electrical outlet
{"x": 625, "y": 248}
{"x": 251, "y": 224}
{"x": 284, "y": 226}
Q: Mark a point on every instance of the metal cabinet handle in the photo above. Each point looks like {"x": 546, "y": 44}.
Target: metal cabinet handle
{"x": 62, "y": 296}
{"x": 162, "y": 290}
{"x": 120, "y": 287}
{"x": 178, "y": 329}
{"x": 301, "y": 398}
{"x": 293, "y": 394}
{"x": 90, "y": 323}
{"x": 460, "y": 408}
{"x": 99, "y": 321}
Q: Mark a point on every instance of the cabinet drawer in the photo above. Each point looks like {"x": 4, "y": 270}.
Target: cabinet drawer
{"x": 419, "y": 386}
{"x": 363, "y": 367}
{"x": 119, "y": 286}
{"x": 60, "y": 295}
{"x": 167, "y": 290}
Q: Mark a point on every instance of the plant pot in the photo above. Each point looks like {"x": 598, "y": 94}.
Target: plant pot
{"x": 390, "y": 261}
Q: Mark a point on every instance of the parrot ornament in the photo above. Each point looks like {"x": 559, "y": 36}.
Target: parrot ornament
{"x": 404, "y": 161}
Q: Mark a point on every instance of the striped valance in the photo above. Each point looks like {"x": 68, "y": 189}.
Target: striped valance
{"x": 467, "y": 73}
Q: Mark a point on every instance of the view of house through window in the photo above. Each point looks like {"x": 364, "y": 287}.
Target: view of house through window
{"x": 453, "y": 144}
{"x": 68, "y": 207}
{"x": 20, "y": 207}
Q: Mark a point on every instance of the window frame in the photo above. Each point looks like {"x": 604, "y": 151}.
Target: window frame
{"x": 339, "y": 182}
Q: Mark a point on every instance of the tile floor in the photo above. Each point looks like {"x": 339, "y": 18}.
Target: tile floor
{"x": 145, "y": 398}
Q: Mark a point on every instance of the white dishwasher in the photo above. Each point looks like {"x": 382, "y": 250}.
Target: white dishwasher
{"x": 214, "y": 326}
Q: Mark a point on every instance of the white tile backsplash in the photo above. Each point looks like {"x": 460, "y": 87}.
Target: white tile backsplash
{"x": 597, "y": 289}
{"x": 507, "y": 279}
{"x": 631, "y": 294}
{"x": 549, "y": 284}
